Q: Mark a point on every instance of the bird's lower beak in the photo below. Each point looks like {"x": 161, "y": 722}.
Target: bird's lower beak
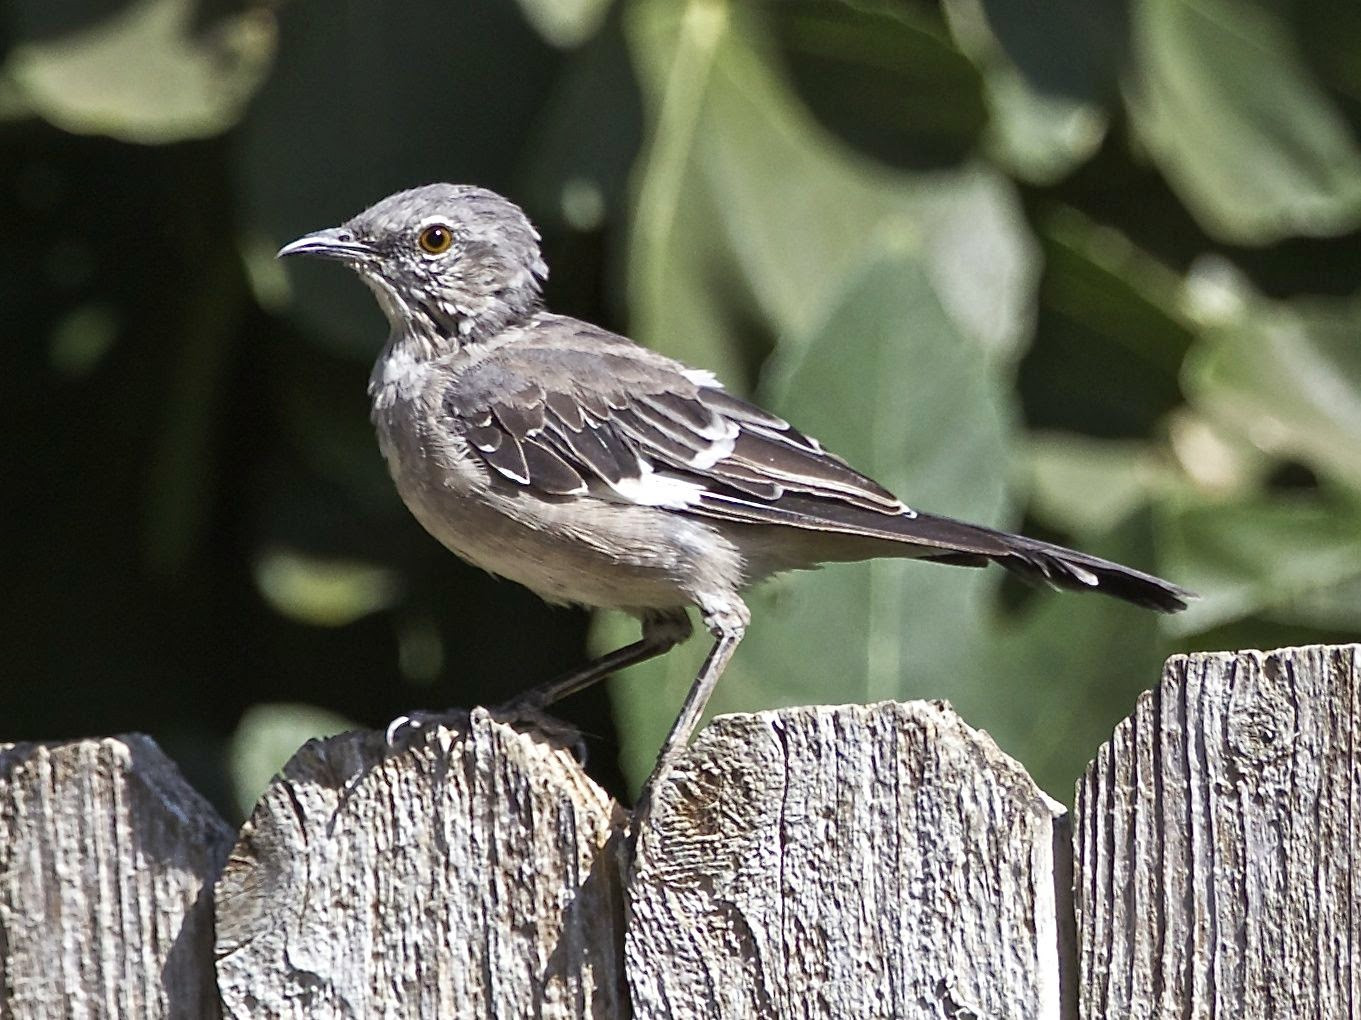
{"x": 335, "y": 243}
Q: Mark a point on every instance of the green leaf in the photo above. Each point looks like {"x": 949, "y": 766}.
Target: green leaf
{"x": 1294, "y": 559}
{"x": 1089, "y": 486}
{"x": 565, "y": 23}
{"x": 266, "y": 737}
{"x": 873, "y": 75}
{"x": 155, "y": 71}
{"x": 1040, "y": 138}
{"x": 881, "y": 380}
{"x": 1222, "y": 98}
{"x": 1287, "y": 375}
{"x": 322, "y": 591}
{"x": 748, "y": 214}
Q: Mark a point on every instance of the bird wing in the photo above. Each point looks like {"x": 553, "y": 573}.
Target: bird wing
{"x": 584, "y": 411}
{"x": 569, "y": 409}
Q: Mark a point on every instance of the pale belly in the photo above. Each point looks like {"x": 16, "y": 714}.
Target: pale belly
{"x": 580, "y": 550}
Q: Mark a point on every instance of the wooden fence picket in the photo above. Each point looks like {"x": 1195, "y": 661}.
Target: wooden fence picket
{"x": 855, "y": 861}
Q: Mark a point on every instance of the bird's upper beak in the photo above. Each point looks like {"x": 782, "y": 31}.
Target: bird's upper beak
{"x": 333, "y": 243}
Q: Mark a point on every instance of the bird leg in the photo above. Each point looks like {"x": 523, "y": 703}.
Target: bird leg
{"x": 728, "y": 624}
{"x": 662, "y": 631}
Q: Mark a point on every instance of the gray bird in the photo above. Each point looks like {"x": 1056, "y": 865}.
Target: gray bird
{"x": 596, "y": 472}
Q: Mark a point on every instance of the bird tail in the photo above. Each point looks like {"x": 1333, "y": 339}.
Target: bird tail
{"x": 1057, "y": 567}
{"x": 841, "y": 531}
{"x": 1044, "y": 563}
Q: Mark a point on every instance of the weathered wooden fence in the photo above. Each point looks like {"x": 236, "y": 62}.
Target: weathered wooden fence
{"x": 860, "y": 861}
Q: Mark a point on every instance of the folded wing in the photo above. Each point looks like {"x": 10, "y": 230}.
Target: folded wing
{"x": 577, "y": 410}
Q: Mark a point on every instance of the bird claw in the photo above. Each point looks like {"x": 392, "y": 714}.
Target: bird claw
{"x": 409, "y": 729}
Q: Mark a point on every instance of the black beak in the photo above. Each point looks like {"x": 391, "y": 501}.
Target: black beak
{"x": 335, "y": 243}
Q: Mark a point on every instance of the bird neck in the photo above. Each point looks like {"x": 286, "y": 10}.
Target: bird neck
{"x": 479, "y": 320}
{"x": 415, "y": 341}
{"x": 398, "y": 371}
{"x": 436, "y": 321}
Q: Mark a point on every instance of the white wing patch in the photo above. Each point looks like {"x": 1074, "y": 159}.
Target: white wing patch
{"x": 702, "y": 377}
{"x": 654, "y": 489}
{"x": 716, "y": 451}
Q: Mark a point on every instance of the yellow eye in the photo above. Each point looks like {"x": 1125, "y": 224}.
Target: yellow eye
{"x": 436, "y": 239}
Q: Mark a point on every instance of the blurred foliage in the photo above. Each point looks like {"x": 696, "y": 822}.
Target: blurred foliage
{"x": 1091, "y": 268}
{"x": 268, "y": 735}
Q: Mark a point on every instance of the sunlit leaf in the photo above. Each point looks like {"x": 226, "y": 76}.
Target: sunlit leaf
{"x": 1088, "y": 486}
{"x": 882, "y": 393}
{"x": 324, "y": 592}
{"x": 1293, "y": 558}
{"x": 1287, "y": 375}
{"x": 565, "y": 23}
{"x": 748, "y": 214}
{"x": 1222, "y": 98}
{"x": 152, "y": 71}
{"x": 266, "y": 737}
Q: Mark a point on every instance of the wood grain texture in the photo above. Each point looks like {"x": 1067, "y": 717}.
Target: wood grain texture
{"x": 466, "y": 875}
{"x": 860, "y": 861}
{"x": 1217, "y": 842}
{"x": 107, "y": 859}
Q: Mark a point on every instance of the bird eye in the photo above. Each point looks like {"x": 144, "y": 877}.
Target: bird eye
{"x": 435, "y": 239}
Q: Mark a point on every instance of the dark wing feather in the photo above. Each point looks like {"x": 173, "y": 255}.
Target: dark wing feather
{"x": 521, "y": 414}
{"x": 567, "y": 410}
{"x": 557, "y": 418}
{"x": 685, "y": 410}
{"x": 550, "y": 472}
{"x": 596, "y": 447}
{"x": 670, "y": 446}
{"x": 486, "y": 438}
{"x": 807, "y": 469}
{"x": 507, "y": 458}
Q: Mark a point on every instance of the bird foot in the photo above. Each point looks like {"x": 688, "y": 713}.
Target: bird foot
{"x": 410, "y": 728}
{"x": 527, "y": 715}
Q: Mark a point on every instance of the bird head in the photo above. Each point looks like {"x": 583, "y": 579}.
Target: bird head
{"x": 449, "y": 263}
